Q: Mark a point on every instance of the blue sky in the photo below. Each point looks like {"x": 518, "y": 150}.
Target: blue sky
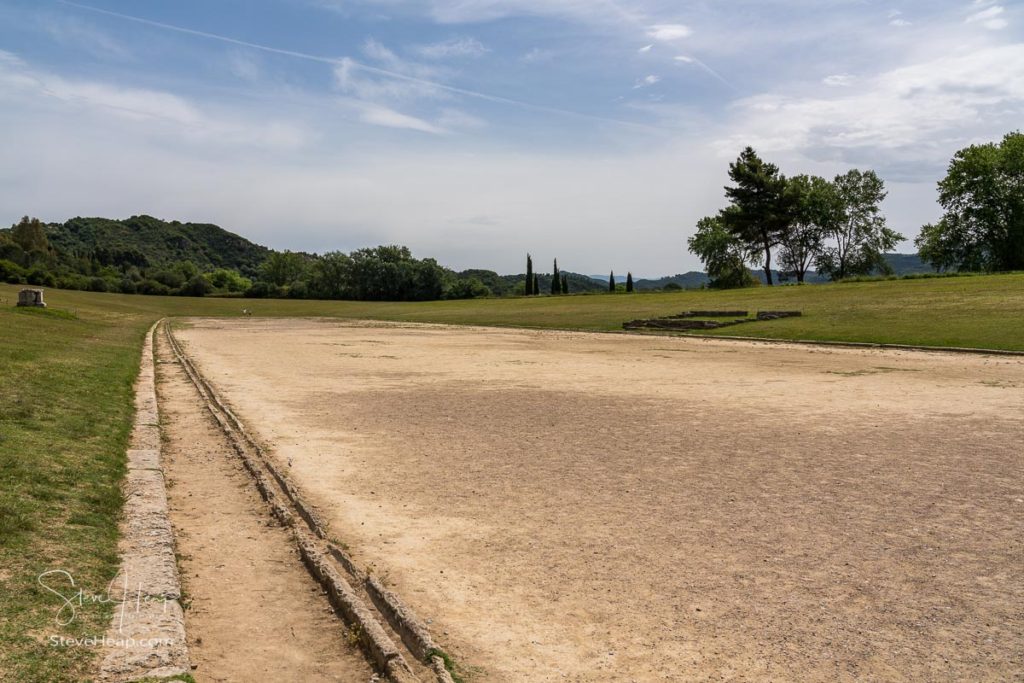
{"x": 595, "y": 131}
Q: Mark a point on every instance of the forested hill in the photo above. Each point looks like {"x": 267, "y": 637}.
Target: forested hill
{"x": 144, "y": 241}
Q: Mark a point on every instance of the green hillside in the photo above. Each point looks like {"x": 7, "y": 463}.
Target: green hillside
{"x": 144, "y": 241}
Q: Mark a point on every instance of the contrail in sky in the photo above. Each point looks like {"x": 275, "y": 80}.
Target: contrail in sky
{"x": 364, "y": 67}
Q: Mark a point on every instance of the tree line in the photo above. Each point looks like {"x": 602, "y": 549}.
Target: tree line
{"x": 559, "y": 283}
{"x": 833, "y": 225}
{"x": 837, "y": 227}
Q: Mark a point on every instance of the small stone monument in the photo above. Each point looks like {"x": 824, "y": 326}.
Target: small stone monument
{"x": 31, "y": 297}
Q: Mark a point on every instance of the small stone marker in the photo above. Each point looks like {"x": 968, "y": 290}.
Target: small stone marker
{"x": 31, "y": 297}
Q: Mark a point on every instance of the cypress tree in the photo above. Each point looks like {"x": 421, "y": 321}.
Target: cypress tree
{"x": 536, "y": 284}
{"x": 556, "y": 282}
{"x": 629, "y": 282}
{"x": 611, "y": 282}
{"x": 529, "y": 276}
{"x": 565, "y": 283}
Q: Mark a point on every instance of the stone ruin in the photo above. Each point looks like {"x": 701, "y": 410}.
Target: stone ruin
{"x": 31, "y": 297}
{"x": 687, "y": 320}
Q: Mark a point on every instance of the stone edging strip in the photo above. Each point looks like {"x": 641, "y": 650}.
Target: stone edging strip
{"x": 859, "y": 345}
{"x": 146, "y": 638}
{"x": 316, "y": 552}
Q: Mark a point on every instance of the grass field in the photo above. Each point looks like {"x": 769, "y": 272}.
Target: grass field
{"x": 65, "y": 404}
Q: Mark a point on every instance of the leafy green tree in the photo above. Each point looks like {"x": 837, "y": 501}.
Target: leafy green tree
{"x": 330, "y": 276}
{"x": 283, "y": 268}
{"x": 629, "y": 281}
{"x": 530, "y": 290}
{"x": 759, "y": 213}
{"x": 565, "y": 283}
{"x": 30, "y": 235}
{"x": 817, "y": 209}
{"x": 228, "y": 280}
{"x": 723, "y": 254}
{"x": 556, "y": 280}
{"x": 860, "y": 237}
{"x": 467, "y": 288}
{"x": 196, "y": 286}
{"x": 390, "y": 273}
{"x": 983, "y": 198}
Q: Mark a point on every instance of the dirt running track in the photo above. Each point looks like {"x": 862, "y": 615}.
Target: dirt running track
{"x": 586, "y": 507}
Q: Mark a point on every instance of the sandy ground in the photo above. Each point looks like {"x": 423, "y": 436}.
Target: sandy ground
{"x": 254, "y": 613}
{"x": 586, "y": 507}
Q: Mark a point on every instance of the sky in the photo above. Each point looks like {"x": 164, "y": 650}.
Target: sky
{"x": 474, "y": 131}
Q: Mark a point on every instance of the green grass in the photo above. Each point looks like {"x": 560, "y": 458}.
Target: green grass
{"x": 65, "y": 403}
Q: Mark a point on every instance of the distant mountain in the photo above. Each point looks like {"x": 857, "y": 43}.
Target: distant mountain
{"x": 691, "y": 280}
{"x": 619, "y": 279}
{"x": 145, "y": 241}
{"x": 901, "y": 264}
{"x": 907, "y": 264}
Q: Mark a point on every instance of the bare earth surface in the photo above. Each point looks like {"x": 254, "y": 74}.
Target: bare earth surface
{"x": 586, "y": 507}
{"x": 255, "y": 614}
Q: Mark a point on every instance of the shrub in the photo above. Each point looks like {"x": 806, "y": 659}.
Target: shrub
{"x": 196, "y": 286}
{"x": 11, "y": 272}
{"x": 41, "y": 277}
{"x": 262, "y": 290}
{"x": 467, "y": 288}
{"x": 152, "y": 287}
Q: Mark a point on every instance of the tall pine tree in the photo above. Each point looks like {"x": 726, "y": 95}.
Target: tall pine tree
{"x": 611, "y": 282}
{"x": 629, "y": 282}
{"x": 529, "y": 275}
{"x": 536, "y": 284}
{"x": 760, "y": 211}
{"x": 565, "y": 283}
{"x": 556, "y": 281}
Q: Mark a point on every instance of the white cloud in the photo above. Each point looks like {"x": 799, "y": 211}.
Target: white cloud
{"x": 684, "y": 59}
{"x": 646, "y": 48}
{"x": 899, "y": 22}
{"x": 647, "y": 81}
{"x": 168, "y": 112}
{"x": 378, "y": 115}
{"x": 455, "y": 47}
{"x": 917, "y": 107}
{"x": 990, "y": 17}
{"x": 355, "y": 79}
{"x": 839, "y": 80}
{"x": 668, "y": 32}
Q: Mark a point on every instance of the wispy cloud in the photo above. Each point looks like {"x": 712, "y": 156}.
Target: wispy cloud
{"x": 379, "y": 115}
{"x": 349, "y": 66}
{"x": 669, "y": 32}
{"x": 244, "y": 65}
{"x": 171, "y": 113}
{"x": 647, "y": 81}
{"x": 839, "y": 80}
{"x": 82, "y": 35}
{"x": 454, "y": 47}
{"x": 990, "y": 17}
{"x": 537, "y": 55}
